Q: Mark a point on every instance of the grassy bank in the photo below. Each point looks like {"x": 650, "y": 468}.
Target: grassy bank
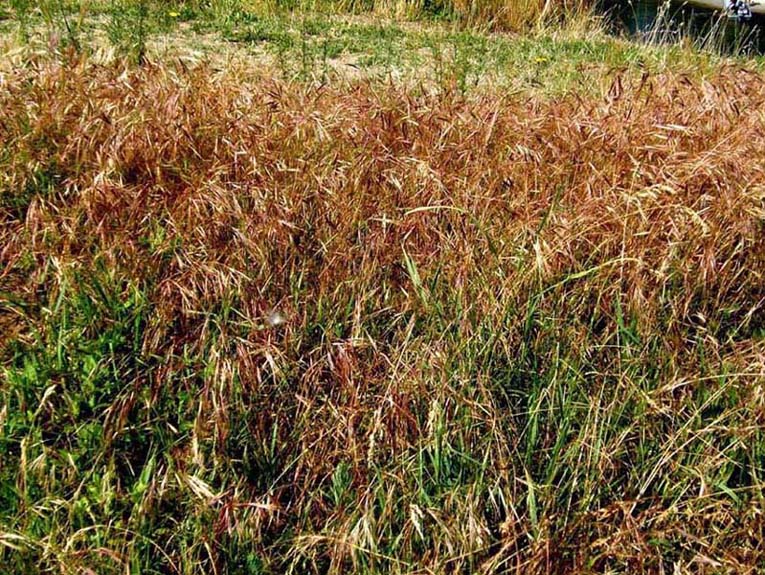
{"x": 288, "y": 291}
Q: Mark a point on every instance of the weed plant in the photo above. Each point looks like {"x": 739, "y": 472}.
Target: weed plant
{"x": 129, "y": 26}
{"x": 21, "y": 10}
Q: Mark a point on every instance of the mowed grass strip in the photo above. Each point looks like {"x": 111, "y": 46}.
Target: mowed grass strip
{"x": 251, "y": 326}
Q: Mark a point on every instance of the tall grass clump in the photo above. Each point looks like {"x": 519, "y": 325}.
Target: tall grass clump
{"x": 129, "y": 27}
{"x": 712, "y": 32}
{"x": 521, "y": 15}
{"x": 63, "y": 20}
{"x": 508, "y": 15}
{"x": 249, "y": 326}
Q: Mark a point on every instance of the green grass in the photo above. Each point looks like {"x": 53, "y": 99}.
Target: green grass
{"x": 323, "y": 47}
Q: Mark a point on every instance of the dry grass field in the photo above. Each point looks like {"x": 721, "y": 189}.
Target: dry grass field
{"x": 256, "y": 324}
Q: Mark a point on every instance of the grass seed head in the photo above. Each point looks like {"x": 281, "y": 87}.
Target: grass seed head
{"x": 513, "y": 335}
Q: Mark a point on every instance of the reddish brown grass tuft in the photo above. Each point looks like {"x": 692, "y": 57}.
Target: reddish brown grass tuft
{"x": 519, "y": 335}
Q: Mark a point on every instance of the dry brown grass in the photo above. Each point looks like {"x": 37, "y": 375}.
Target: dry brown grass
{"x": 523, "y": 14}
{"x": 521, "y": 335}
